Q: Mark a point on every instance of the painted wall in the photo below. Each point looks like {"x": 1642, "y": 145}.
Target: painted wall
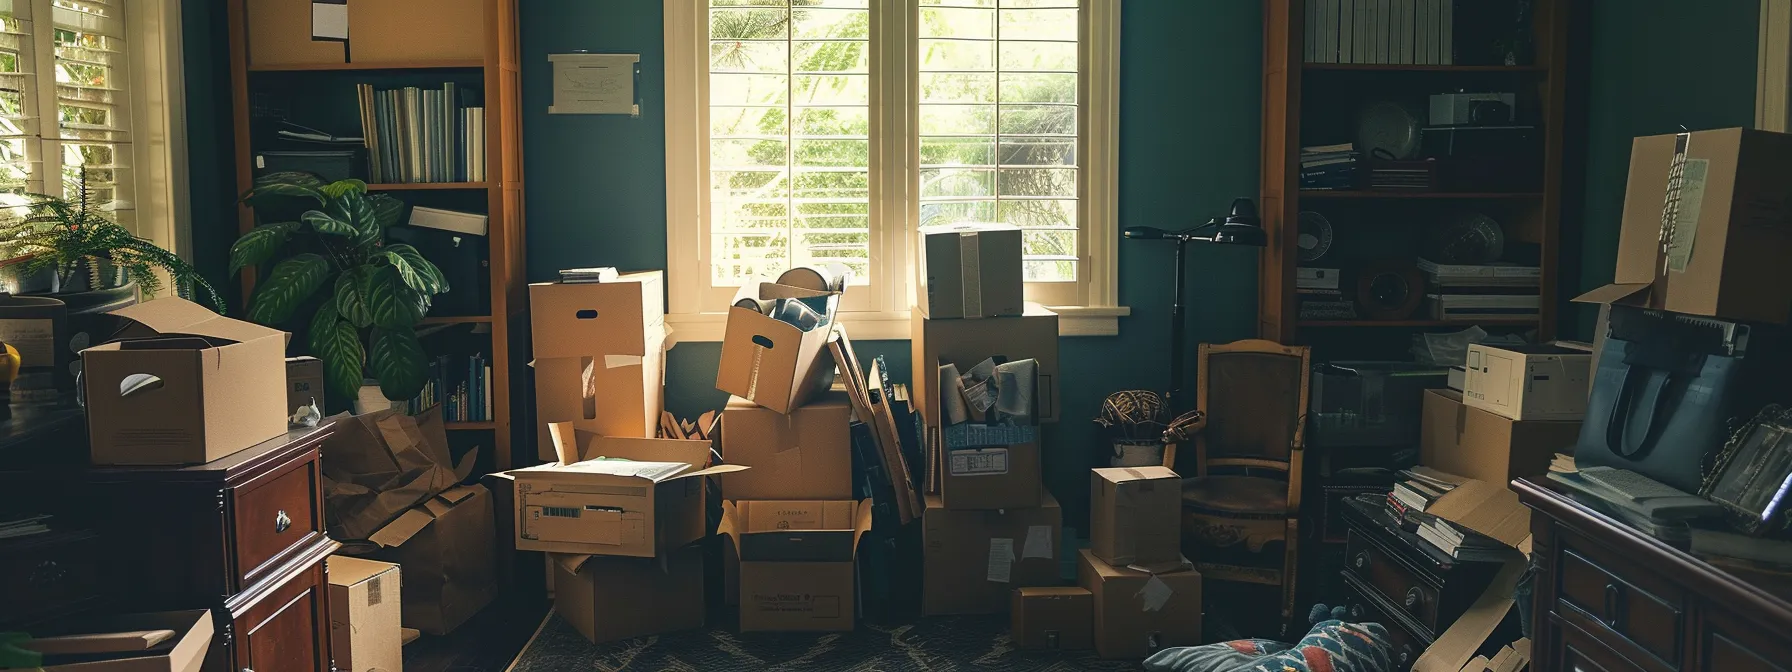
{"x": 1190, "y": 96}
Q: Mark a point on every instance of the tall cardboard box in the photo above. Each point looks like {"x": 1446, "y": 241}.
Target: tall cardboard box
{"x": 1725, "y": 198}
{"x": 994, "y": 477}
{"x": 1033, "y": 335}
{"x": 304, "y": 382}
{"x": 185, "y": 385}
{"x": 771, "y": 362}
{"x": 646, "y": 500}
{"x": 1528, "y": 382}
{"x": 600, "y": 354}
{"x": 805, "y": 454}
{"x": 1459, "y": 439}
{"x": 1135, "y": 515}
{"x": 797, "y": 566}
{"x": 1137, "y": 613}
{"x": 611, "y": 598}
{"x": 971, "y": 270}
{"x": 446, "y": 547}
{"x": 972, "y": 559}
{"x": 364, "y": 615}
{"x": 1052, "y": 617}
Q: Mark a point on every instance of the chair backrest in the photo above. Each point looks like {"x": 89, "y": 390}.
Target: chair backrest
{"x": 1255, "y": 395}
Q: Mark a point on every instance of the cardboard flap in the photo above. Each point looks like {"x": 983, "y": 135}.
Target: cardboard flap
{"x": 771, "y": 291}
{"x": 455, "y": 495}
{"x": 572, "y": 563}
{"x": 348, "y": 570}
{"x": 712, "y": 471}
{"x": 1620, "y": 293}
{"x": 467, "y": 462}
{"x": 1457, "y": 645}
{"x": 395, "y": 533}
{"x": 730, "y": 525}
{"x": 1491, "y": 509}
{"x": 863, "y": 524}
{"x": 174, "y": 315}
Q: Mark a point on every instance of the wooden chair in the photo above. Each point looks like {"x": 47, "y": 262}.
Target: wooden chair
{"x": 1244, "y": 496}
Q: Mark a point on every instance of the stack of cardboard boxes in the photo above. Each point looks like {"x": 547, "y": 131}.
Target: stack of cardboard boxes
{"x": 1519, "y": 406}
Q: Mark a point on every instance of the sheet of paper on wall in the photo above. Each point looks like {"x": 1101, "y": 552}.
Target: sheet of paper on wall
{"x": 594, "y": 84}
{"x": 329, "y": 20}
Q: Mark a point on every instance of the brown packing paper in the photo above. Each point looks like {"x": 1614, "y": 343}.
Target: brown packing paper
{"x": 1457, "y": 645}
{"x": 380, "y": 464}
{"x": 446, "y": 549}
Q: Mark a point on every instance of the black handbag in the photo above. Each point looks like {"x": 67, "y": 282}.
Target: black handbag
{"x": 1665, "y": 393}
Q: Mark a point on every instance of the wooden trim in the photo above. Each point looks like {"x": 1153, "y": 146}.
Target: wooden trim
{"x": 1278, "y": 197}
{"x": 1553, "y": 17}
{"x": 377, "y": 65}
{"x": 1252, "y": 462}
{"x": 238, "y": 21}
{"x": 1773, "y": 68}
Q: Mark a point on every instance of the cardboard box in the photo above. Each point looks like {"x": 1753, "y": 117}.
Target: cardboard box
{"x": 972, "y": 559}
{"x": 1528, "y": 382}
{"x": 646, "y": 502}
{"x": 1457, "y": 439}
{"x": 186, "y": 653}
{"x": 1052, "y": 617}
{"x": 609, "y": 598}
{"x": 622, "y": 317}
{"x": 280, "y": 34}
{"x": 965, "y": 343}
{"x": 1732, "y": 226}
{"x": 304, "y": 383}
{"x": 1135, "y": 515}
{"x": 446, "y": 547}
{"x": 971, "y": 270}
{"x": 806, "y": 454}
{"x": 185, "y": 385}
{"x": 794, "y": 579}
{"x": 364, "y": 615}
{"x": 996, "y": 477}
{"x": 416, "y": 30}
{"x": 773, "y": 363}
{"x": 600, "y": 356}
{"x": 1137, "y": 613}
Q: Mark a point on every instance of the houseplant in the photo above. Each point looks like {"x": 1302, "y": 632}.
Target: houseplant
{"x": 361, "y": 295}
{"x": 84, "y": 248}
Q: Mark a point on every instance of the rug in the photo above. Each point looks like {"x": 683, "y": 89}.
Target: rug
{"x": 939, "y": 644}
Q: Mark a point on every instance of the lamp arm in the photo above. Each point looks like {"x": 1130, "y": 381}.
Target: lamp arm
{"x": 1195, "y": 232}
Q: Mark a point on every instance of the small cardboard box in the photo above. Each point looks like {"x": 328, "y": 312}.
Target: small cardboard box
{"x": 610, "y": 598}
{"x": 1137, "y": 613}
{"x": 446, "y": 547}
{"x": 995, "y": 477}
{"x": 972, "y": 559}
{"x": 365, "y": 615}
{"x": 606, "y": 395}
{"x": 971, "y": 270}
{"x": 1135, "y": 515}
{"x": 304, "y": 383}
{"x": 1730, "y": 224}
{"x": 1528, "y": 382}
{"x": 770, "y": 362}
{"x": 1053, "y": 617}
{"x": 793, "y": 579}
{"x": 396, "y": 31}
{"x": 185, "y": 653}
{"x": 185, "y": 385}
{"x": 647, "y": 501}
{"x": 1457, "y": 439}
{"x": 280, "y": 34}
{"x": 806, "y": 454}
{"x": 965, "y": 343}
{"x": 622, "y": 317}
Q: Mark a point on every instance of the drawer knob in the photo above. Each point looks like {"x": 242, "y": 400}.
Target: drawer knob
{"x": 1414, "y": 598}
{"x": 281, "y": 523}
{"x": 1362, "y": 560}
{"x": 1614, "y": 599}
{"x": 46, "y": 573}
{"x": 1405, "y": 654}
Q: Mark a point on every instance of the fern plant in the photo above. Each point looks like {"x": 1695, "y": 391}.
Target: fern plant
{"x": 373, "y": 292}
{"x": 73, "y": 237}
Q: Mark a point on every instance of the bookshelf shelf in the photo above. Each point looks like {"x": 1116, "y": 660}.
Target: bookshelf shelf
{"x": 1402, "y": 67}
{"x": 1332, "y": 324}
{"x": 467, "y": 426}
{"x": 375, "y": 65}
{"x": 427, "y": 186}
{"x": 1434, "y": 195}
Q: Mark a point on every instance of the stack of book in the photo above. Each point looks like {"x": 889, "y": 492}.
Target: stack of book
{"x": 423, "y": 135}
{"x": 1416, "y": 32}
{"x": 1461, "y": 544}
{"x": 1328, "y": 167}
{"x": 1419, "y": 489}
{"x": 1321, "y": 297}
{"x": 22, "y": 525}
{"x": 1403, "y": 175}
{"x": 1482, "y": 291}
{"x": 574, "y": 276}
{"x": 461, "y": 385}
{"x": 1650, "y": 506}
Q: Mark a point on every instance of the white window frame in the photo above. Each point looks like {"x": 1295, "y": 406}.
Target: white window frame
{"x": 1088, "y": 307}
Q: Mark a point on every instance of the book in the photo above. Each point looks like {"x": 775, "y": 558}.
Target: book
{"x": 415, "y": 134}
{"x": 588, "y": 275}
{"x": 472, "y": 224}
{"x": 292, "y": 131}
{"x": 1415, "y": 494}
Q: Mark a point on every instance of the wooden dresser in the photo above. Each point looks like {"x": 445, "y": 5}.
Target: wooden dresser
{"x": 1394, "y": 578}
{"x": 242, "y": 536}
{"x": 1608, "y": 598}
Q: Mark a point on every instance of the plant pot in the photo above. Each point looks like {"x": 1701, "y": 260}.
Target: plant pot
{"x": 88, "y": 321}
{"x": 81, "y": 280}
{"x": 1136, "y": 453}
{"x": 14, "y": 280}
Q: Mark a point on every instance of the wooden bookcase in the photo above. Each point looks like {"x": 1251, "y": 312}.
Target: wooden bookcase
{"x": 498, "y": 75}
{"x": 1305, "y": 103}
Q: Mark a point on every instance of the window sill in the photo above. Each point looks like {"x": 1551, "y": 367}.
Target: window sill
{"x": 894, "y": 325}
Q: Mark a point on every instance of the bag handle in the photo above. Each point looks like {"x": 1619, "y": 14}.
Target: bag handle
{"x": 1617, "y": 427}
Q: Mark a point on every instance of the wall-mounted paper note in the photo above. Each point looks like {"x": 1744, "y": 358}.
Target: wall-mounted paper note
{"x": 594, "y": 84}
{"x": 329, "y": 21}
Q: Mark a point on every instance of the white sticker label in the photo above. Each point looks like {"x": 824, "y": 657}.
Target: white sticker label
{"x": 1039, "y": 542}
{"x": 1001, "y": 560}
{"x": 1155, "y": 594}
{"x": 1686, "y": 216}
{"x": 979, "y": 462}
{"x": 615, "y": 361}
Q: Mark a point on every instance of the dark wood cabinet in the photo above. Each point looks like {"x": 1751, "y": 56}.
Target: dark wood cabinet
{"x": 1398, "y": 580}
{"x": 1608, "y": 598}
{"x": 284, "y": 628}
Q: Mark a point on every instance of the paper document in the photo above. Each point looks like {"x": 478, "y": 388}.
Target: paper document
{"x": 594, "y": 84}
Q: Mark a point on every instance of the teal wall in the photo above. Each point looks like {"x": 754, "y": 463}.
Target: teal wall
{"x": 1656, "y": 66}
{"x": 1190, "y": 94}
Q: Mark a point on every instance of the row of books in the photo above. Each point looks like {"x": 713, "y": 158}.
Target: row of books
{"x": 462, "y": 385}
{"x": 1328, "y": 166}
{"x": 1421, "y": 488}
{"x": 423, "y": 135}
{"x": 1410, "y": 32}
{"x": 1482, "y": 291}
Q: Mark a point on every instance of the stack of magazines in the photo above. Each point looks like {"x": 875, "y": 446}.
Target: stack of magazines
{"x": 1482, "y": 291}
{"x": 1328, "y": 167}
{"x": 1421, "y": 487}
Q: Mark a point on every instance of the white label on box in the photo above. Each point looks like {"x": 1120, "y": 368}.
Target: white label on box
{"x": 1001, "y": 560}
{"x": 1686, "y": 219}
{"x": 617, "y": 361}
{"x": 35, "y": 340}
{"x": 1039, "y": 542}
{"x": 979, "y": 462}
{"x": 1155, "y": 594}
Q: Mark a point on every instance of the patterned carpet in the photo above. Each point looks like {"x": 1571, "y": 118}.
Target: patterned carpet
{"x": 945, "y": 644}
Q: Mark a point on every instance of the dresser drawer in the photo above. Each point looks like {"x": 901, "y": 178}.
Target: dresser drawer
{"x": 1397, "y": 583}
{"x": 48, "y": 575}
{"x": 273, "y": 515}
{"x": 286, "y": 629}
{"x": 1641, "y": 608}
{"x": 1364, "y": 606}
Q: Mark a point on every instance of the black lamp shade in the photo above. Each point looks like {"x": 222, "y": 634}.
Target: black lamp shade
{"x": 1240, "y": 234}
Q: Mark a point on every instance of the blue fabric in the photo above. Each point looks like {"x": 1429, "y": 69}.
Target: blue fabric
{"x": 1332, "y": 645}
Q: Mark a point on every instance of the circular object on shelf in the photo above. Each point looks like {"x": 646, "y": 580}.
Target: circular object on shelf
{"x": 1390, "y": 127}
{"x": 1315, "y": 237}
{"x": 1389, "y": 291}
{"x": 1467, "y": 238}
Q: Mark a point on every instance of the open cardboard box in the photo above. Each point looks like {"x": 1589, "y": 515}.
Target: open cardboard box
{"x": 791, "y": 578}
{"x": 600, "y": 355}
{"x": 965, "y": 343}
{"x": 646, "y": 502}
{"x": 184, "y": 653}
{"x": 774, "y": 363}
{"x": 613, "y": 598}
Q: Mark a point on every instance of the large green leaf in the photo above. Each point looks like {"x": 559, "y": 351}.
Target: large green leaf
{"x": 355, "y": 209}
{"x": 351, "y": 299}
{"x": 398, "y": 362}
{"x": 434, "y": 281}
{"x": 392, "y": 304}
{"x": 259, "y": 245}
{"x": 419, "y": 281}
{"x": 386, "y": 209}
{"x": 290, "y": 184}
{"x": 290, "y": 284}
{"x": 338, "y": 188}
{"x": 338, "y": 344}
{"x": 326, "y": 224}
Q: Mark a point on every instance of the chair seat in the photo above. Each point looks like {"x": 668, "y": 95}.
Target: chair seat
{"x": 1236, "y": 494}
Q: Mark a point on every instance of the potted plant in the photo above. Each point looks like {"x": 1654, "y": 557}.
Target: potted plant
{"x": 364, "y": 295}
{"x": 88, "y": 252}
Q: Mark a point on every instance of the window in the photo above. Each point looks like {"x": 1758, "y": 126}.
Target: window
{"x": 90, "y": 97}
{"x": 816, "y": 131}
